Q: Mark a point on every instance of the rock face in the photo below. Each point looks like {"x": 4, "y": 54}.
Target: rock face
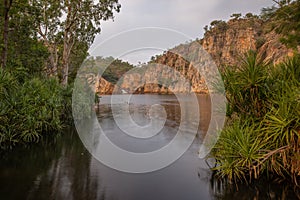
{"x": 103, "y": 86}
{"x": 170, "y": 73}
{"x": 226, "y": 43}
{"x": 99, "y": 84}
{"x": 273, "y": 50}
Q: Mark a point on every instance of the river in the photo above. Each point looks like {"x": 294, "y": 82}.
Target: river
{"x": 62, "y": 168}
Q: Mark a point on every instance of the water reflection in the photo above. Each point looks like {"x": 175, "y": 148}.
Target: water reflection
{"x": 68, "y": 176}
{"x": 139, "y": 108}
{"x": 262, "y": 189}
{"x": 57, "y": 169}
{"x": 63, "y": 169}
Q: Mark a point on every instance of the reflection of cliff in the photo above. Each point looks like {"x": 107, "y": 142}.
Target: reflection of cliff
{"x": 174, "y": 113}
{"x": 225, "y": 42}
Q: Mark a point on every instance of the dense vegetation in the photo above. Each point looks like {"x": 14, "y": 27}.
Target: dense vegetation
{"x": 115, "y": 68}
{"x": 262, "y": 134}
{"x": 42, "y": 45}
{"x": 30, "y": 108}
{"x": 44, "y": 42}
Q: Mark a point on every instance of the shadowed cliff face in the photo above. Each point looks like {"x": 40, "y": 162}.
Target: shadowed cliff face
{"x": 225, "y": 42}
{"x": 103, "y": 86}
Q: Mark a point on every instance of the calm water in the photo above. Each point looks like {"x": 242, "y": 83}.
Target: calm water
{"x": 63, "y": 169}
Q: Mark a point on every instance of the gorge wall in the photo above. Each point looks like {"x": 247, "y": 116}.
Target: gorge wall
{"x": 226, "y": 42}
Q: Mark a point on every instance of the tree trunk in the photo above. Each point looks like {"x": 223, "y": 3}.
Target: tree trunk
{"x": 68, "y": 45}
{"x": 53, "y": 58}
{"x": 7, "y": 6}
{"x": 65, "y": 63}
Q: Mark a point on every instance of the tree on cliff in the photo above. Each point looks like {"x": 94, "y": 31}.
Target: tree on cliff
{"x": 282, "y": 3}
{"x": 287, "y": 22}
{"x": 236, "y": 16}
{"x": 67, "y": 24}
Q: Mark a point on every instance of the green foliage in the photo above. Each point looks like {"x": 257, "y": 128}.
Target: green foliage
{"x": 51, "y": 36}
{"x": 218, "y": 25}
{"x": 40, "y": 39}
{"x": 245, "y": 86}
{"x": 66, "y": 111}
{"x": 285, "y": 20}
{"x": 83, "y": 99}
{"x": 110, "y": 68}
{"x": 8, "y": 84}
{"x": 30, "y": 55}
{"x": 78, "y": 54}
{"x": 24, "y": 50}
{"x": 236, "y": 16}
{"x": 263, "y": 132}
{"x": 250, "y": 16}
{"x": 29, "y": 110}
{"x": 268, "y": 12}
{"x": 65, "y": 26}
{"x": 239, "y": 151}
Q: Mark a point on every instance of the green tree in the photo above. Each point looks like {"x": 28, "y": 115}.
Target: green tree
{"x": 236, "y": 16}
{"x": 20, "y": 47}
{"x": 282, "y": 3}
{"x": 268, "y": 12}
{"x": 286, "y": 21}
{"x": 250, "y": 16}
{"x": 78, "y": 54}
{"x": 7, "y": 4}
{"x": 62, "y": 24}
{"x": 215, "y": 23}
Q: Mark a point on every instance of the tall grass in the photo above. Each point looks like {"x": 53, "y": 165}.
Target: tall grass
{"x": 262, "y": 136}
{"x": 29, "y": 109}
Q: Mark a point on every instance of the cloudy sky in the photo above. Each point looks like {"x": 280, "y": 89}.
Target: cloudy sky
{"x": 185, "y": 16}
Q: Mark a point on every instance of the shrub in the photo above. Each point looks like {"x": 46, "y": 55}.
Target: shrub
{"x": 239, "y": 151}
{"x": 263, "y": 135}
{"x": 29, "y": 110}
{"x": 245, "y": 86}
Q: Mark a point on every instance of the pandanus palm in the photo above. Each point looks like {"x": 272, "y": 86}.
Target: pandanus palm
{"x": 264, "y": 135}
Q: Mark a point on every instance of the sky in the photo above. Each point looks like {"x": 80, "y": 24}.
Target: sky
{"x": 179, "y": 17}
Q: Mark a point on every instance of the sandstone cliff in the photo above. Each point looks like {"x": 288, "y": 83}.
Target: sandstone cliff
{"x": 225, "y": 42}
{"x": 169, "y": 74}
{"x": 99, "y": 84}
